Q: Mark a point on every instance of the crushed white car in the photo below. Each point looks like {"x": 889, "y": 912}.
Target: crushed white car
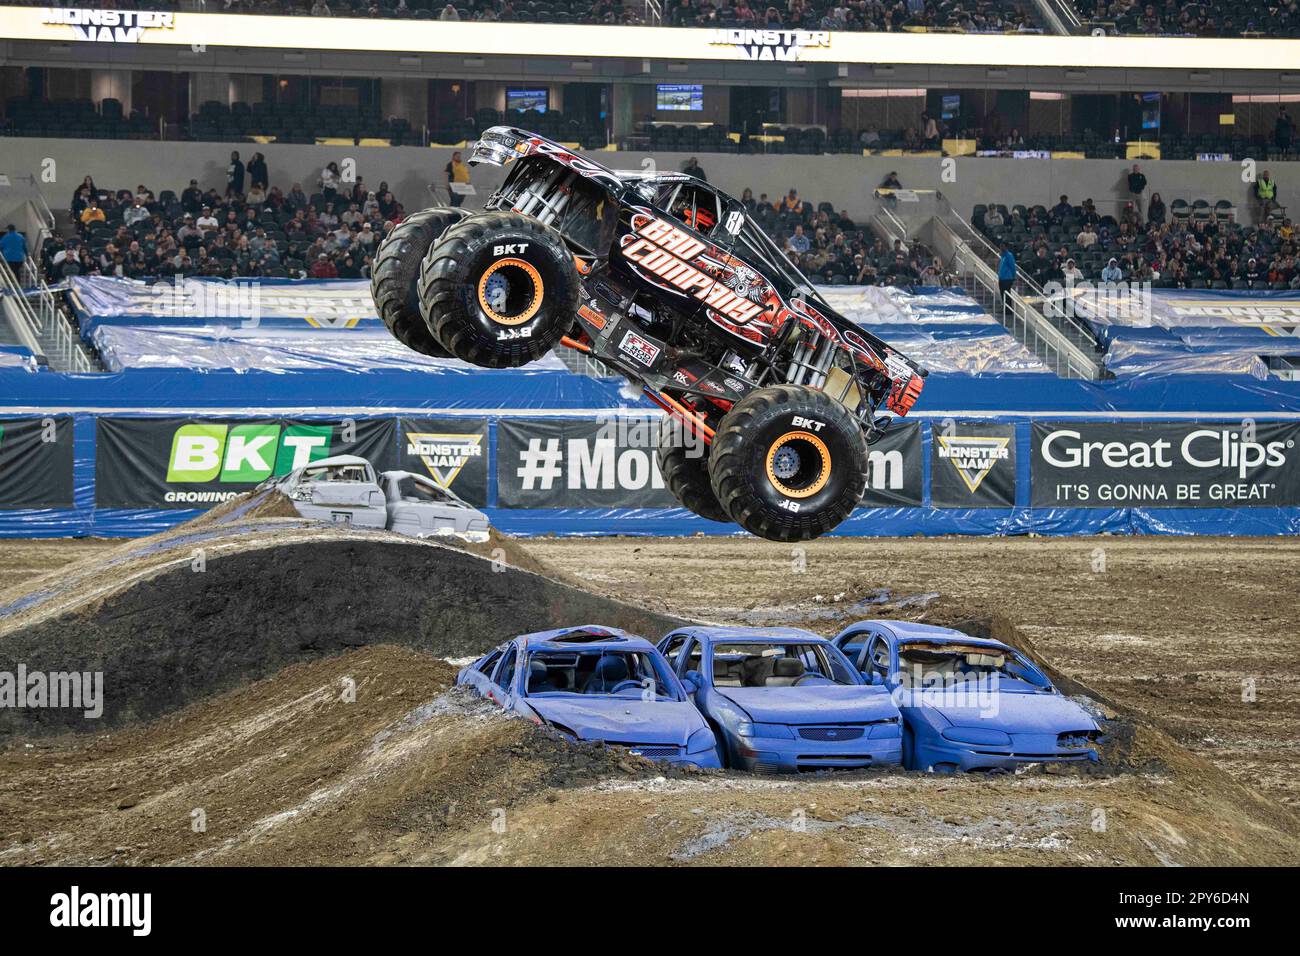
{"x": 345, "y": 490}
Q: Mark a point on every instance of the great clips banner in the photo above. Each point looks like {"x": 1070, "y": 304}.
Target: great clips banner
{"x": 1165, "y": 464}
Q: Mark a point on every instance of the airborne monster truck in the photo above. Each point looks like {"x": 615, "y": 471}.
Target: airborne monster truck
{"x": 672, "y": 283}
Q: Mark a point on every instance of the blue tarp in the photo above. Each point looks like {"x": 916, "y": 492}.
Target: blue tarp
{"x": 271, "y": 350}
{"x": 449, "y": 388}
{"x": 292, "y": 303}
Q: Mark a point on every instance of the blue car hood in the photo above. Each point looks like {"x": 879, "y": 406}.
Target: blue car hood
{"x": 813, "y": 704}
{"x": 1010, "y": 713}
{"x": 624, "y": 720}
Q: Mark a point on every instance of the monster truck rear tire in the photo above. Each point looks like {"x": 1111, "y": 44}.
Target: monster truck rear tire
{"x": 687, "y": 474}
{"x": 394, "y": 278}
{"x": 499, "y": 289}
{"x": 788, "y": 463}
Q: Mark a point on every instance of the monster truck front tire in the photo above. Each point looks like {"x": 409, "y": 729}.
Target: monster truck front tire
{"x": 499, "y": 289}
{"x": 686, "y": 472}
{"x": 788, "y": 463}
{"x": 396, "y": 270}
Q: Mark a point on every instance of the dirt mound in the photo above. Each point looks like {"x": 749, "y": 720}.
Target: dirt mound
{"x": 182, "y": 617}
{"x": 352, "y": 758}
{"x": 271, "y": 503}
{"x": 349, "y": 750}
{"x": 268, "y": 503}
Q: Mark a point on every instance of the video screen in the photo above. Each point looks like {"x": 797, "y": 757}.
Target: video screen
{"x": 1151, "y": 111}
{"x": 679, "y": 96}
{"x": 527, "y": 100}
{"x": 951, "y": 106}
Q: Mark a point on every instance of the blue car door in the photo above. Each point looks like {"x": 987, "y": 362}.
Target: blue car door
{"x": 671, "y": 648}
{"x": 501, "y": 689}
{"x": 479, "y": 675}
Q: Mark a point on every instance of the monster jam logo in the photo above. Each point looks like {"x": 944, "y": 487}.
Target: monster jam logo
{"x": 109, "y": 26}
{"x": 444, "y": 455}
{"x": 770, "y": 44}
{"x": 245, "y": 453}
{"x": 973, "y": 458}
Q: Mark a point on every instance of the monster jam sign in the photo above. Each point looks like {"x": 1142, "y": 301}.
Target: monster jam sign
{"x": 1165, "y": 464}
{"x": 973, "y": 465}
{"x": 451, "y": 451}
{"x": 109, "y": 26}
{"x": 36, "y": 462}
{"x": 198, "y": 463}
{"x": 769, "y": 44}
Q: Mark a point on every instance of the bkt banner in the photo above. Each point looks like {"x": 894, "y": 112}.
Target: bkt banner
{"x": 197, "y": 463}
{"x": 1165, "y": 464}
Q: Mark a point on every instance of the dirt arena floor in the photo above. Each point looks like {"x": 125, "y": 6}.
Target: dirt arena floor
{"x": 1191, "y": 643}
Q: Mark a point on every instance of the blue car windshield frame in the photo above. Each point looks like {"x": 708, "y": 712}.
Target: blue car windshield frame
{"x": 599, "y": 672}
{"x": 738, "y": 663}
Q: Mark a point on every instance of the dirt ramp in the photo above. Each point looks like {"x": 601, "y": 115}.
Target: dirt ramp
{"x": 361, "y": 757}
{"x": 180, "y": 634}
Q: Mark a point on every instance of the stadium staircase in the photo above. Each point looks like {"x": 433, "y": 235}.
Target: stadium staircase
{"x": 32, "y": 314}
{"x": 1063, "y": 343}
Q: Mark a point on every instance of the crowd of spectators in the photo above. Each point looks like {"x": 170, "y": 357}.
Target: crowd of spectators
{"x": 1266, "y": 18}
{"x": 971, "y": 16}
{"x": 877, "y": 16}
{"x": 1170, "y": 245}
{"x": 829, "y": 247}
{"x": 251, "y": 229}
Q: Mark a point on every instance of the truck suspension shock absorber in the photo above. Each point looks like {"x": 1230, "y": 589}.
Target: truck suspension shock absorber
{"x": 810, "y": 361}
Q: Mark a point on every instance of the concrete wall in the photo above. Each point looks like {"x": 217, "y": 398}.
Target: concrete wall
{"x": 846, "y": 181}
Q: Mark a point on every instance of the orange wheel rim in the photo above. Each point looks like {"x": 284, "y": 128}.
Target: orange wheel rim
{"x": 811, "y": 458}
{"x": 530, "y": 307}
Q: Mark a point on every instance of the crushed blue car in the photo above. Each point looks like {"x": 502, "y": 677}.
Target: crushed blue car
{"x": 968, "y": 703}
{"x": 597, "y": 685}
{"x": 784, "y": 700}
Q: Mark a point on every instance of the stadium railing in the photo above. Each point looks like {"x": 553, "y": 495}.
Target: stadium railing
{"x": 1063, "y": 343}
{"x": 38, "y": 322}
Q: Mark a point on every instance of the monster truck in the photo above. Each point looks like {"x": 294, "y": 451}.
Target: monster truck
{"x": 672, "y": 283}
